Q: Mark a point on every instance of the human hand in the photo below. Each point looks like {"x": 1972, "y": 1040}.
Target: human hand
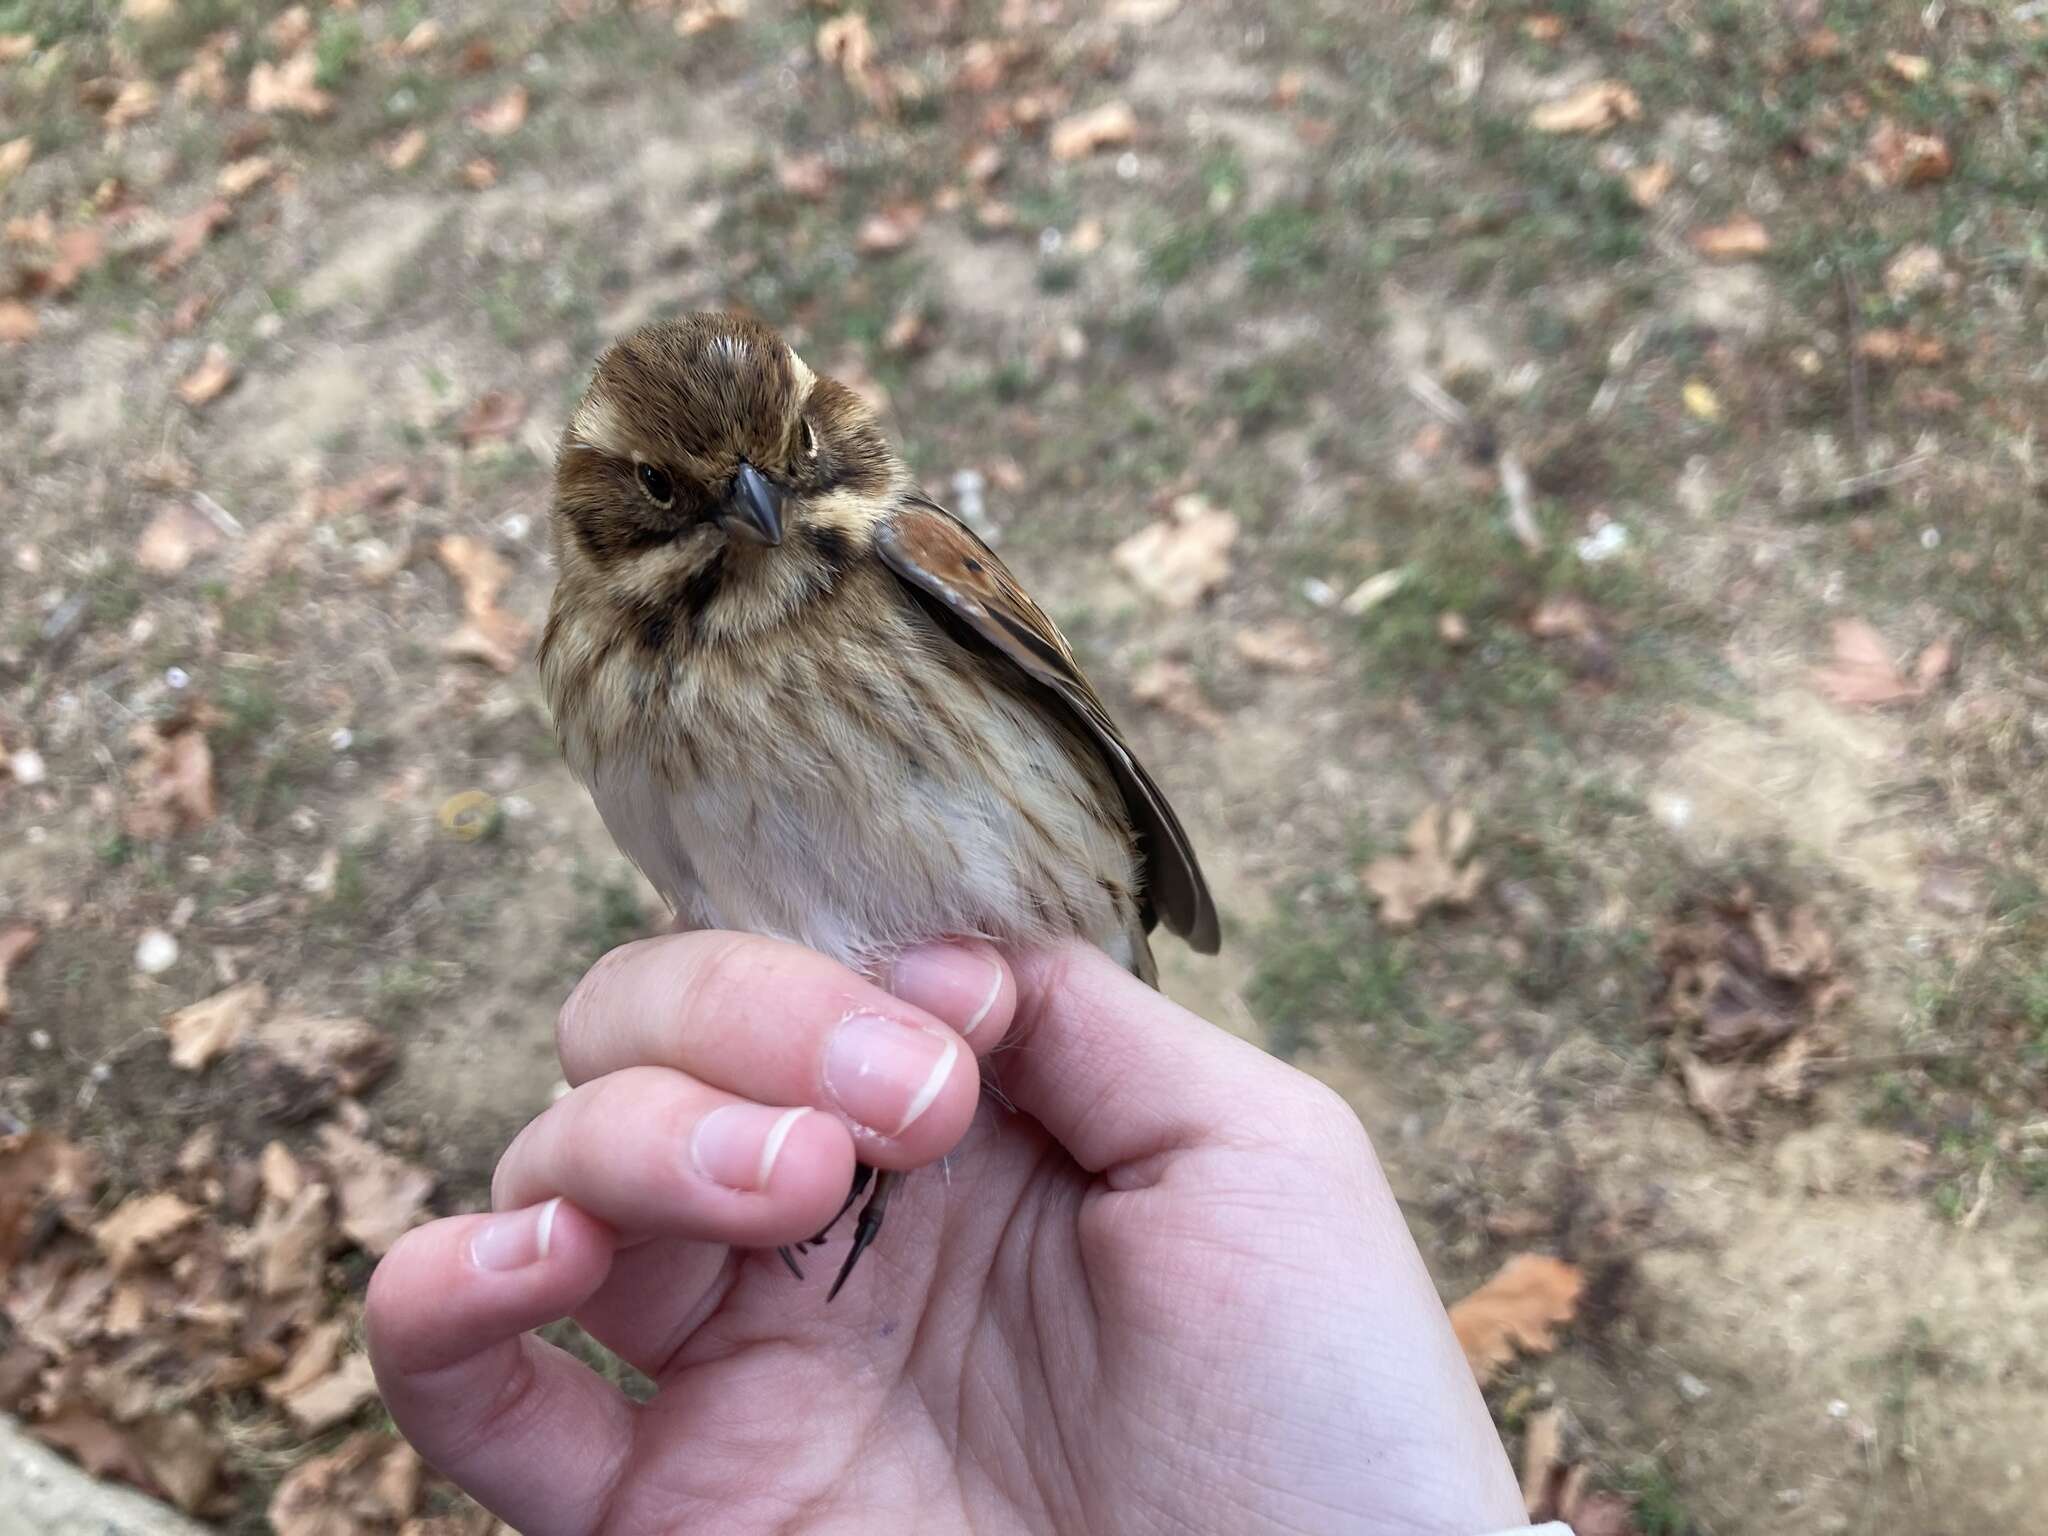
{"x": 1168, "y": 1290}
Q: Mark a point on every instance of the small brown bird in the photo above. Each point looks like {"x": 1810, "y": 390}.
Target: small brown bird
{"x": 809, "y": 703}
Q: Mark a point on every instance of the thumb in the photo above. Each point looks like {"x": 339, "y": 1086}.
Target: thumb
{"x": 1117, "y": 1072}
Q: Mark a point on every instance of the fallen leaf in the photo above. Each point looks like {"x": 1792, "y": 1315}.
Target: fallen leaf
{"x": 15, "y": 155}
{"x": 1741, "y": 238}
{"x": 493, "y": 415}
{"x": 1104, "y": 127}
{"x": 203, "y": 1031}
{"x": 490, "y": 634}
{"x": 281, "y": 1176}
{"x": 1909, "y": 67}
{"x": 1862, "y": 673}
{"x": 983, "y": 164}
{"x": 135, "y": 100}
{"x": 139, "y": 1223}
{"x": 329, "y": 1058}
{"x": 479, "y": 174}
{"x": 403, "y": 152}
{"x": 1701, "y": 400}
{"x": 290, "y": 1241}
{"x": 326, "y": 1402}
{"x": 1723, "y": 1092}
{"x": 1601, "y": 1513}
{"x": 312, "y": 1359}
{"x": 16, "y": 940}
{"x": 1543, "y": 27}
{"x": 1592, "y": 108}
{"x": 1905, "y": 348}
{"x": 1647, "y": 184}
{"x": 1373, "y": 591}
{"x": 173, "y": 781}
{"x": 1542, "y": 1462}
{"x": 182, "y": 1454}
{"x": 381, "y": 1196}
{"x": 502, "y": 116}
{"x": 701, "y": 16}
{"x": 1893, "y": 157}
{"x": 37, "y": 1170}
{"x": 1519, "y": 1309}
{"x": 18, "y": 323}
{"x": 16, "y": 46}
{"x": 888, "y": 229}
{"x": 424, "y": 37}
{"x": 100, "y": 1447}
{"x": 1915, "y": 270}
{"x": 1564, "y": 618}
{"x": 1281, "y": 646}
{"x": 478, "y": 57}
{"x": 205, "y": 77}
{"x": 74, "y": 252}
{"x": 1432, "y": 873}
{"x": 290, "y": 30}
{"x": 1182, "y": 559}
{"x": 906, "y": 331}
{"x": 174, "y": 538}
{"x": 189, "y": 235}
{"x": 1823, "y": 44}
{"x": 210, "y": 380}
{"x": 289, "y": 87}
{"x": 361, "y": 1488}
{"x": 1171, "y": 686}
{"x": 238, "y": 178}
{"x": 845, "y": 43}
{"x": 1142, "y": 13}
{"x": 806, "y": 176}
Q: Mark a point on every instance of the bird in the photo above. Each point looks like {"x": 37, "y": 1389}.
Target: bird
{"x": 810, "y": 703}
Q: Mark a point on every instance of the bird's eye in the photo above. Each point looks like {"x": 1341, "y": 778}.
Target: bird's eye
{"x": 810, "y": 440}
{"x": 655, "y": 482}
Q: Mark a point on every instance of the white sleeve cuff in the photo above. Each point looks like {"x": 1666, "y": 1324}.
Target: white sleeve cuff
{"x": 1553, "y": 1528}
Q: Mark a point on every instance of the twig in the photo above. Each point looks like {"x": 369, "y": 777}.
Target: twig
{"x": 1514, "y": 485}
{"x": 1859, "y": 489}
{"x": 1842, "y": 1065}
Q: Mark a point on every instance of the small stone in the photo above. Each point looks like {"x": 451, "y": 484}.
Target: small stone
{"x": 156, "y": 952}
{"x": 1691, "y": 1388}
{"x": 342, "y": 739}
{"x": 1452, "y": 629}
{"x": 1319, "y": 591}
{"x": 27, "y": 766}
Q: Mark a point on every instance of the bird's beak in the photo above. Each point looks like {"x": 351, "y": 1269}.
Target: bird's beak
{"x": 753, "y": 507}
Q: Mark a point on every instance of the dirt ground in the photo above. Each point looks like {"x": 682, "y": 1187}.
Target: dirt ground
{"x": 1633, "y": 414}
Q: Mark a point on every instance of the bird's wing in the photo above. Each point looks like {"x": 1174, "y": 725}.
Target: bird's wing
{"x": 966, "y": 588}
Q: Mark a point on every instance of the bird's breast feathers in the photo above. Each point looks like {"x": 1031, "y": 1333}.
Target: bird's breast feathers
{"x": 858, "y": 788}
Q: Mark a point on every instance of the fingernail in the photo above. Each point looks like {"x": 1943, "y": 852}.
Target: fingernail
{"x": 953, "y": 983}
{"x": 516, "y": 1239}
{"x": 886, "y": 1074}
{"x": 736, "y": 1144}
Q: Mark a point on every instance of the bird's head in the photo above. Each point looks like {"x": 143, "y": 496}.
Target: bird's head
{"x": 706, "y": 438}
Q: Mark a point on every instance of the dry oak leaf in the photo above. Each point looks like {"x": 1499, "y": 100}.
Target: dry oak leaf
{"x": 289, "y": 87}
{"x": 700, "y": 16}
{"x": 102, "y": 1448}
{"x": 1543, "y": 1462}
{"x": 340, "y": 1056}
{"x": 1904, "y": 348}
{"x": 1431, "y": 873}
{"x": 381, "y": 1195}
{"x": 290, "y": 1242}
{"x": 403, "y": 152}
{"x": 208, "y": 1029}
{"x": 16, "y": 46}
{"x": 502, "y": 116}
{"x": 1737, "y": 240}
{"x": 16, "y": 940}
{"x": 362, "y": 1488}
{"x": 18, "y": 322}
{"x": 37, "y": 1169}
{"x": 312, "y": 1359}
{"x": 1282, "y": 646}
{"x": 15, "y": 155}
{"x": 1647, "y": 184}
{"x": 888, "y": 229}
{"x": 135, "y": 100}
{"x": 1519, "y": 1309}
{"x": 279, "y": 1173}
{"x": 1104, "y": 127}
{"x": 479, "y": 174}
{"x": 1863, "y": 674}
{"x": 324, "y": 1403}
{"x": 240, "y": 177}
{"x": 1592, "y": 108}
{"x": 1182, "y": 559}
{"x": 845, "y": 43}
{"x": 205, "y": 78}
{"x": 139, "y": 1223}
{"x": 1915, "y": 270}
{"x": 1909, "y": 67}
{"x": 173, "y": 781}
{"x": 1893, "y": 157}
{"x": 182, "y": 1455}
{"x": 189, "y": 234}
{"x": 290, "y": 31}
{"x": 74, "y": 252}
{"x": 175, "y": 536}
{"x": 210, "y": 380}
{"x": 489, "y": 634}
{"x": 1171, "y": 686}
